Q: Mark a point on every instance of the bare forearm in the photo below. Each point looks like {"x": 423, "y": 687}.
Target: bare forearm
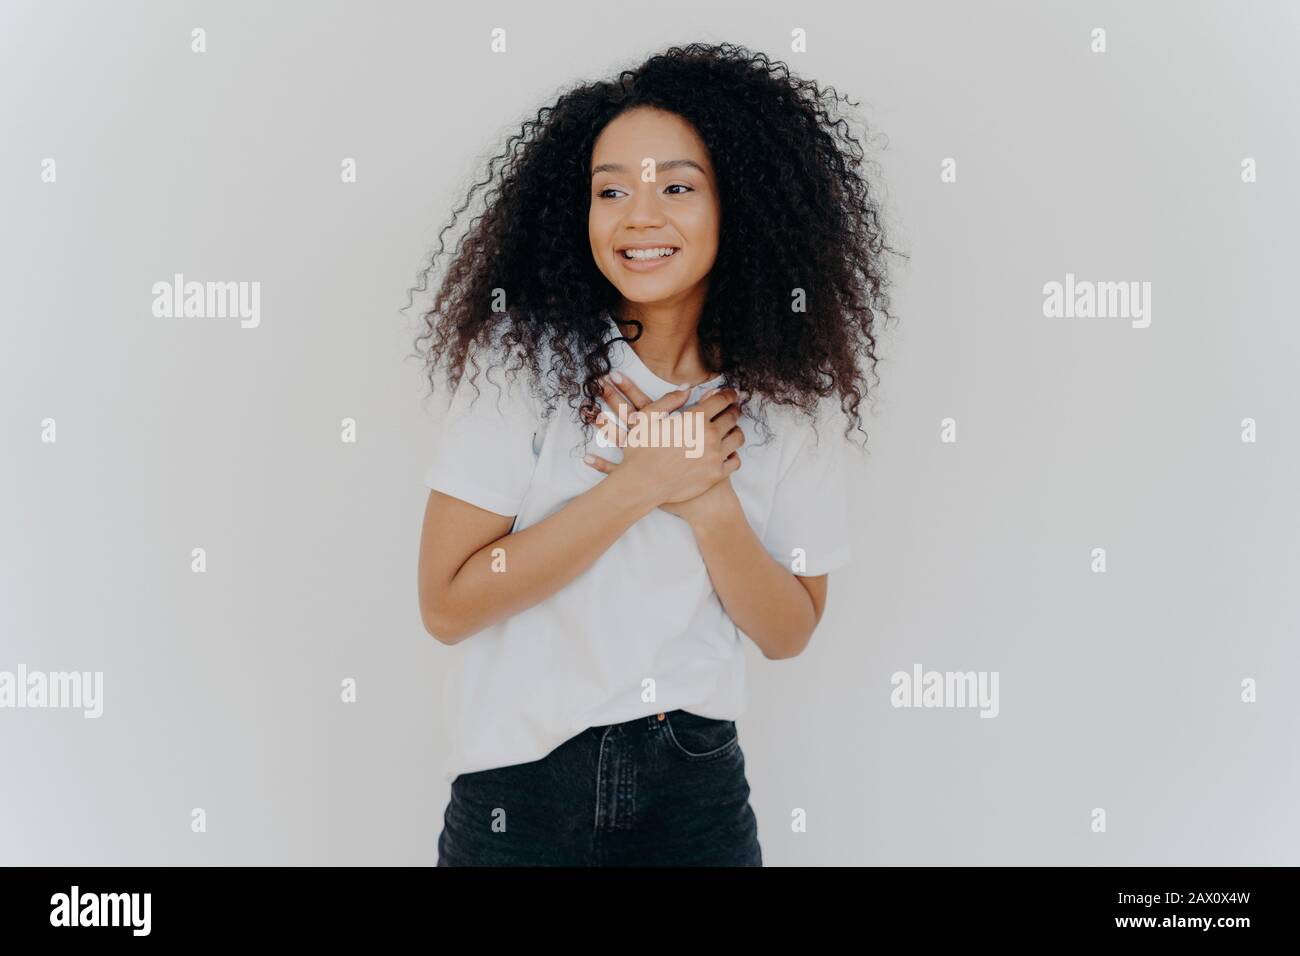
{"x": 522, "y": 569}
{"x": 758, "y": 593}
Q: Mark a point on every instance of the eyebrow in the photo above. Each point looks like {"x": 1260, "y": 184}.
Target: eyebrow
{"x": 666, "y": 164}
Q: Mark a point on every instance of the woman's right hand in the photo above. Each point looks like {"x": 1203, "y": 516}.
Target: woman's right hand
{"x": 666, "y": 472}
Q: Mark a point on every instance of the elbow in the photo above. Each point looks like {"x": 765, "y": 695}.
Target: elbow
{"x": 447, "y": 623}
{"x": 438, "y": 613}
{"x": 792, "y": 646}
{"x": 442, "y": 625}
{"x": 441, "y": 633}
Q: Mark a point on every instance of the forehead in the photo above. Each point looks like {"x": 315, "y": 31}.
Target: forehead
{"x": 648, "y": 133}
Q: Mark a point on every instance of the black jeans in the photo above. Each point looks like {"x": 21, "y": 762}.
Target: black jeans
{"x": 662, "y": 790}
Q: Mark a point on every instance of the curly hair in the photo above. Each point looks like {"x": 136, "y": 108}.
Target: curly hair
{"x": 797, "y": 214}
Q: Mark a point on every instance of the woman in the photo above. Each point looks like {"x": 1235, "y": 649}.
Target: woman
{"x": 688, "y": 238}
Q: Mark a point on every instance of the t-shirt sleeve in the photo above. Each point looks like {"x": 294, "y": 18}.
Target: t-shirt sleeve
{"x": 810, "y": 516}
{"x": 484, "y": 451}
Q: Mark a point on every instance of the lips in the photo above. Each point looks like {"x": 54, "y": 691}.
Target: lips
{"x": 648, "y": 261}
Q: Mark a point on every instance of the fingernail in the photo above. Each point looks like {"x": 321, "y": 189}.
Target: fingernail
{"x": 589, "y": 459}
{"x": 617, "y": 377}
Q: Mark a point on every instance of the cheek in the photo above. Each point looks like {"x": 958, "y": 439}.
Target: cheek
{"x": 599, "y": 238}
{"x": 701, "y": 229}
{"x": 596, "y": 223}
{"x": 703, "y": 236}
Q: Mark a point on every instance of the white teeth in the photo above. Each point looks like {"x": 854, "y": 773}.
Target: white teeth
{"x": 648, "y": 253}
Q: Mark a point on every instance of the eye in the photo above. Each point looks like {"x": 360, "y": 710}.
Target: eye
{"x": 608, "y": 189}
{"x": 681, "y": 186}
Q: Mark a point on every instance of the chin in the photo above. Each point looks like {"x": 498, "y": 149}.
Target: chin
{"x": 643, "y": 296}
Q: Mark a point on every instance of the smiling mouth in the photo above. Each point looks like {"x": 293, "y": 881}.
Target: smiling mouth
{"x": 646, "y": 255}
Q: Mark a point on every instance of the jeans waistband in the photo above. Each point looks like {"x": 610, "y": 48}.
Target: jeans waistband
{"x": 649, "y": 722}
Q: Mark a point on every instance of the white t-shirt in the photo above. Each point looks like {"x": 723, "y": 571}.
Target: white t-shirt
{"x": 646, "y": 609}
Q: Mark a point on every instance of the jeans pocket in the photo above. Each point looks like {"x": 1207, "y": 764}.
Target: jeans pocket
{"x": 701, "y": 738}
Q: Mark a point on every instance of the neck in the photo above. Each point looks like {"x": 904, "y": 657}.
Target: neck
{"x": 669, "y": 344}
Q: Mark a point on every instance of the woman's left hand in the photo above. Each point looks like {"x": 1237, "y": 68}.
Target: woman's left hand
{"x": 624, "y": 400}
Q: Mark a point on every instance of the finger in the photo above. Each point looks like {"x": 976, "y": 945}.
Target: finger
{"x": 715, "y": 401}
{"x": 638, "y": 398}
{"x": 731, "y": 464}
{"x": 732, "y": 441}
{"x": 670, "y": 402}
{"x": 603, "y": 465}
{"x": 722, "y": 388}
{"x": 611, "y": 428}
{"x": 727, "y": 420}
{"x": 617, "y": 402}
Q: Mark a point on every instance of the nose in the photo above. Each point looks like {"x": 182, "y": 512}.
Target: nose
{"x": 644, "y": 209}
